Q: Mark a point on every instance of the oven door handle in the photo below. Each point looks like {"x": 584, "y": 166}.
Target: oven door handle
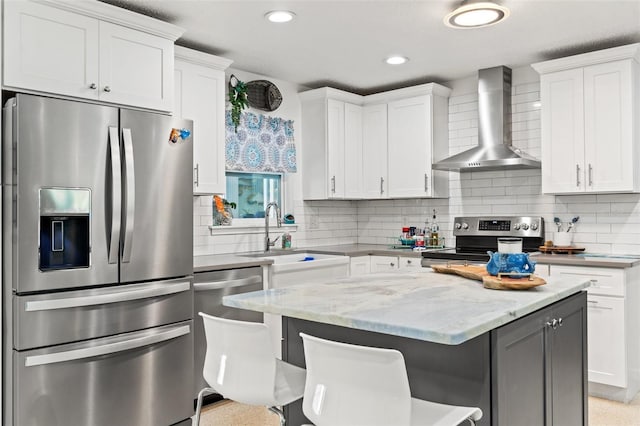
{"x": 161, "y": 289}
{"x": 132, "y": 342}
{"x": 217, "y": 285}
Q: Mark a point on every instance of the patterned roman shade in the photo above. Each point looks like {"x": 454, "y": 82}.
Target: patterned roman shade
{"x": 261, "y": 144}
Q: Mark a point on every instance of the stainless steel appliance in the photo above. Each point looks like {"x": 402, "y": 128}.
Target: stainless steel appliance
{"x": 97, "y": 266}
{"x": 477, "y": 235}
{"x": 494, "y": 150}
{"x": 209, "y": 289}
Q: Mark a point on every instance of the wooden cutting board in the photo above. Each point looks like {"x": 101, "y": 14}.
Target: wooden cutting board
{"x": 479, "y": 273}
{"x": 560, "y": 249}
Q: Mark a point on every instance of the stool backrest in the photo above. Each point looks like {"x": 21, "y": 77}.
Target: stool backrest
{"x": 239, "y": 363}
{"x": 354, "y": 385}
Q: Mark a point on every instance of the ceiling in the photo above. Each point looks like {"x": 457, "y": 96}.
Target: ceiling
{"x": 342, "y": 43}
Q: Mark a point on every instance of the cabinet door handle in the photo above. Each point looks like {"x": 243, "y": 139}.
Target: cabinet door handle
{"x": 197, "y": 177}
{"x": 590, "y": 175}
{"x": 392, "y": 264}
{"x": 93, "y": 86}
{"x": 408, "y": 261}
{"x": 577, "y": 175}
{"x": 553, "y": 323}
{"x": 381, "y": 185}
{"x": 426, "y": 183}
{"x": 559, "y": 322}
{"x": 333, "y": 184}
{"x": 107, "y": 89}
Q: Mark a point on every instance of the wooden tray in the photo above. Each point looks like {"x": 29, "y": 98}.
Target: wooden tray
{"x": 560, "y": 249}
{"x": 479, "y": 273}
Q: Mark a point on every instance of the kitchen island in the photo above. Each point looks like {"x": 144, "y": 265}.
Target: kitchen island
{"x": 518, "y": 355}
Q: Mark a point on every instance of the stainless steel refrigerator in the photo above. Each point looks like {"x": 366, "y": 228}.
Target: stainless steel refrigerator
{"x": 97, "y": 265}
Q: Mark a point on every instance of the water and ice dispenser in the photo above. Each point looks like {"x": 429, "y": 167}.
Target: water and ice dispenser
{"x": 65, "y": 224}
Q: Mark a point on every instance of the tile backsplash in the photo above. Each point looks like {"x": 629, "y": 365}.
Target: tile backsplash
{"x": 608, "y": 223}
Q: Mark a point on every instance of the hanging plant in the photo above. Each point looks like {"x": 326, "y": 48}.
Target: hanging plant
{"x": 237, "y": 98}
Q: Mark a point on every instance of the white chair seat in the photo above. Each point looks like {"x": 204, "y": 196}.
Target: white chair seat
{"x": 435, "y": 414}
{"x": 359, "y": 385}
{"x": 241, "y": 365}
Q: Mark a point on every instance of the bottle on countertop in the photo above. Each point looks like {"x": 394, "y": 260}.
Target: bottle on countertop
{"x": 286, "y": 240}
{"x": 433, "y": 233}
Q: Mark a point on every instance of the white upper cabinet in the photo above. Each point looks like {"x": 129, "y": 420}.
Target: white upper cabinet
{"x": 89, "y": 50}
{"x": 374, "y": 166}
{"x": 332, "y": 147}
{"x": 376, "y": 146}
{"x": 409, "y": 147}
{"x": 135, "y": 68}
{"x": 200, "y": 96}
{"x": 589, "y": 139}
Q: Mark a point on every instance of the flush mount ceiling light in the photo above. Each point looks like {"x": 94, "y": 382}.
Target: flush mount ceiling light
{"x": 396, "y": 60}
{"x": 279, "y": 16}
{"x": 474, "y": 14}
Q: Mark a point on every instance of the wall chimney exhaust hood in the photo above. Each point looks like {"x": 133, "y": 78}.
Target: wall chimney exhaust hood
{"x": 494, "y": 151}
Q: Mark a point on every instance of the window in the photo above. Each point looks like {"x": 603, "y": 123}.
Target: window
{"x": 252, "y": 192}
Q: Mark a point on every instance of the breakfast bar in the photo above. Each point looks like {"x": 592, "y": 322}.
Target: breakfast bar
{"x": 518, "y": 355}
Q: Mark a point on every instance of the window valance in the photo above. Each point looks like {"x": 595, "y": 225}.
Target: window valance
{"x": 261, "y": 144}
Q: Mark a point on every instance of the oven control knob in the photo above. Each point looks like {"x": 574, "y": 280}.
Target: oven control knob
{"x": 534, "y": 226}
{"x": 457, "y": 225}
{"x": 516, "y": 226}
{"x": 525, "y": 226}
{"x": 465, "y": 226}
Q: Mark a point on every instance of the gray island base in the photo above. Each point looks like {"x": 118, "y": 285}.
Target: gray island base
{"x": 522, "y": 360}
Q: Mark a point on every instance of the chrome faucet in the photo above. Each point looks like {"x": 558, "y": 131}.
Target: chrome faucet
{"x": 267, "y": 242}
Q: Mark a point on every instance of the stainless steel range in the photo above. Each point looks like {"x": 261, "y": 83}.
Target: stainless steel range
{"x": 477, "y": 235}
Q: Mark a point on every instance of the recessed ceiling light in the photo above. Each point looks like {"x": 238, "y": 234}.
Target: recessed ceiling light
{"x": 474, "y": 14}
{"x": 396, "y": 60}
{"x": 279, "y": 16}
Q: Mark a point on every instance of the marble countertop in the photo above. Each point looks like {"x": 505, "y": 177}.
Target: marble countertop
{"x": 590, "y": 260}
{"x": 218, "y": 262}
{"x": 422, "y": 305}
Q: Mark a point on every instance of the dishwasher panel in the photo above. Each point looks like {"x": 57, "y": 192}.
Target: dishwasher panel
{"x": 209, "y": 289}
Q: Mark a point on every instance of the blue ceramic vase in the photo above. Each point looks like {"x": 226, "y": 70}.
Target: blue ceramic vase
{"x": 510, "y": 262}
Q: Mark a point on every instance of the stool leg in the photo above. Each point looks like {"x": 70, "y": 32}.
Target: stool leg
{"x": 279, "y": 413}
{"x": 196, "y": 419}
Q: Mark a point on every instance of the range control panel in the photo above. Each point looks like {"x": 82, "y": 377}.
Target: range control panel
{"x": 513, "y": 226}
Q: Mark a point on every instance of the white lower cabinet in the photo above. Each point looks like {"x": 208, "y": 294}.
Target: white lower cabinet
{"x": 409, "y": 262}
{"x": 613, "y": 325}
{"x": 360, "y": 265}
{"x": 384, "y": 263}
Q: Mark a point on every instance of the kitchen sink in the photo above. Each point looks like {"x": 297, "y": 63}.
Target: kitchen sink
{"x": 291, "y": 269}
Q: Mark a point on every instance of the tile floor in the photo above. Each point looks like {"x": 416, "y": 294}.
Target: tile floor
{"x": 602, "y": 412}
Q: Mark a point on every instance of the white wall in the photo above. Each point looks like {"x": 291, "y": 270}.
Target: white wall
{"x": 608, "y": 223}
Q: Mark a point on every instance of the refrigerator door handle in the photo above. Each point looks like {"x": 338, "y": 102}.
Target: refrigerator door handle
{"x": 162, "y": 289}
{"x": 116, "y": 195}
{"x": 132, "y": 342}
{"x": 130, "y": 195}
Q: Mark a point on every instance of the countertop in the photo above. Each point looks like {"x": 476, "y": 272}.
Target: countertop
{"x": 590, "y": 260}
{"x": 216, "y": 262}
{"x": 422, "y": 305}
{"x": 240, "y": 260}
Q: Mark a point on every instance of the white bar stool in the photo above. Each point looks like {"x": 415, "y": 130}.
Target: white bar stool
{"x": 240, "y": 365}
{"x": 360, "y": 385}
